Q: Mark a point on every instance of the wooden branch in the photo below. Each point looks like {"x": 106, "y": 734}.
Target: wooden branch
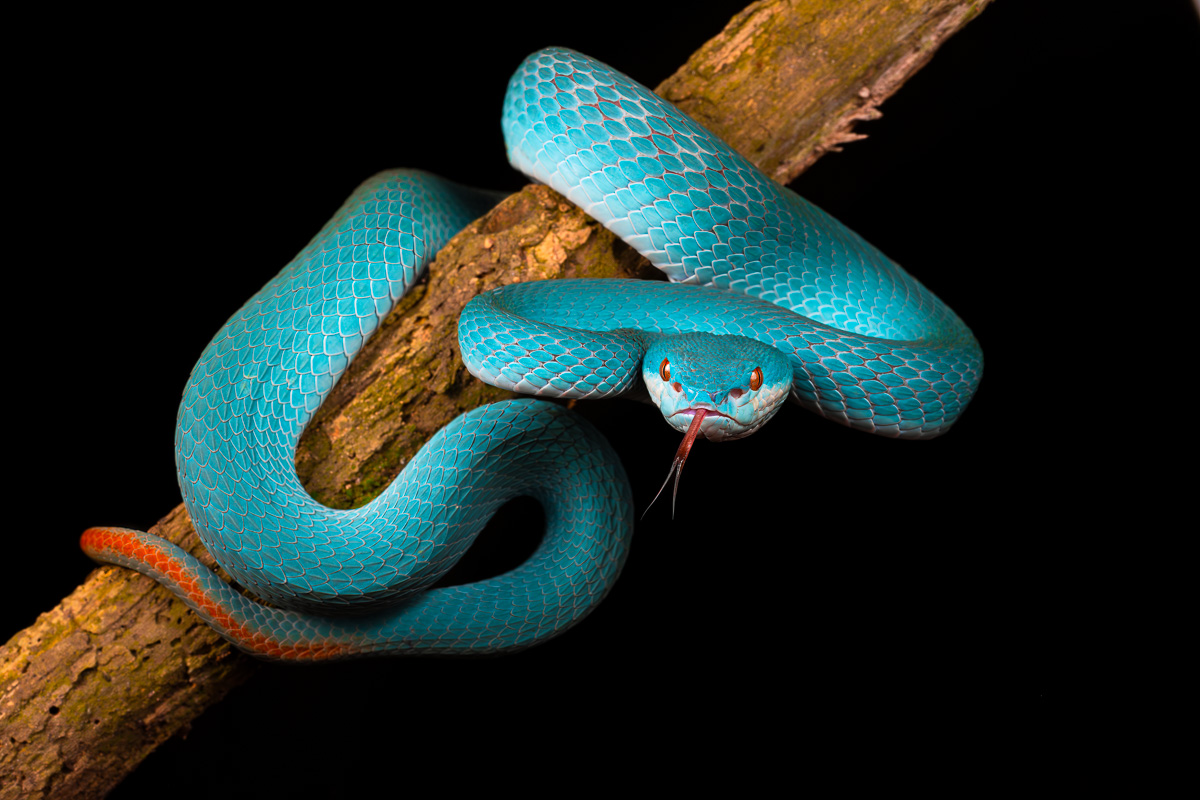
{"x": 120, "y": 666}
{"x": 785, "y": 82}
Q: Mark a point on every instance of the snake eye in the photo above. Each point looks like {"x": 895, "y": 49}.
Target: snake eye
{"x": 664, "y": 370}
{"x": 755, "y": 378}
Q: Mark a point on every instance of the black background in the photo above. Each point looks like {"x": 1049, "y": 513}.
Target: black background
{"x": 842, "y": 585}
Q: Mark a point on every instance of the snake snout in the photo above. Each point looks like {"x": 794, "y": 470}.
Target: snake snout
{"x": 715, "y": 424}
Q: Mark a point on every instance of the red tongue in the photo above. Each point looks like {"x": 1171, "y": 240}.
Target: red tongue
{"x": 681, "y": 455}
{"x": 685, "y": 446}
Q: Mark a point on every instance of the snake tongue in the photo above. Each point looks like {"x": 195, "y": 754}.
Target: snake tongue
{"x": 681, "y": 455}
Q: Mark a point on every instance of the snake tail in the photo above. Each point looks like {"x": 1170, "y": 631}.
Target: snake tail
{"x": 235, "y": 617}
{"x": 340, "y": 583}
{"x": 465, "y": 473}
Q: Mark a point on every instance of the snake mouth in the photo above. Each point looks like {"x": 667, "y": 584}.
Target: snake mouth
{"x": 692, "y": 411}
{"x": 711, "y": 412}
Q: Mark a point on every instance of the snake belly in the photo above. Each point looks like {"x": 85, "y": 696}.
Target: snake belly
{"x": 870, "y": 346}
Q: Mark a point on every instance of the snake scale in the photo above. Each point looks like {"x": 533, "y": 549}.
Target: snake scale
{"x": 769, "y": 298}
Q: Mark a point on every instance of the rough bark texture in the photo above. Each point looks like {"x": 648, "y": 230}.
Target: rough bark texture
{"x": 785, "y": 82}
{"x": 120, "y": 666}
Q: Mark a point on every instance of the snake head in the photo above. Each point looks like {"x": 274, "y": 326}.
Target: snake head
{"x": 719, "y": 387}
{"x": 738, "y": 382}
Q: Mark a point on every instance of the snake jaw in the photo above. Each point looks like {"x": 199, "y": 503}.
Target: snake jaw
{"x": 711, "y": 412}
{"x": 717, "y": 426}
{"x": 681, "y": 455}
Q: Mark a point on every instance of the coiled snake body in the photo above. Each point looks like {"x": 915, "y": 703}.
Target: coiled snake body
{"x": 801, "y": 306}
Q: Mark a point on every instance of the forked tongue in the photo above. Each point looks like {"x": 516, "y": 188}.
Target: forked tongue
{"x": 681, "y": 455}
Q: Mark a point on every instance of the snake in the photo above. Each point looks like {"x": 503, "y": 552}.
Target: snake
{"x": 767, "y": 299}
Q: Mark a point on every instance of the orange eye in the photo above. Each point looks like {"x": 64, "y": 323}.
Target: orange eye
{"x": 664, "y": 370}
{"x": 755, "y": 379}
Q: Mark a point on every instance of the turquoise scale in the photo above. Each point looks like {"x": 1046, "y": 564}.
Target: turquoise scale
{"x": 871, "y": 347}
{"x": 865, "y": 344}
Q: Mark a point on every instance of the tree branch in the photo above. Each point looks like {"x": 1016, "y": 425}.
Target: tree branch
{"x": 121, "y": 665}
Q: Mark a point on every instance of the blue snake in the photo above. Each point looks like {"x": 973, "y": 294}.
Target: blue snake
{"x": 769, "y": 298}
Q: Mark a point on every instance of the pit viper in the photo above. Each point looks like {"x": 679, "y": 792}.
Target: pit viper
{"x": 768, "y": 298}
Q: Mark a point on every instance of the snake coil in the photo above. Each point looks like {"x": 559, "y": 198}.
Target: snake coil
{"x": 771, "y": 298}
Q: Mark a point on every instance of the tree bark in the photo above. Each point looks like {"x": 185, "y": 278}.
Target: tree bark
{"x": 121, "y": 665}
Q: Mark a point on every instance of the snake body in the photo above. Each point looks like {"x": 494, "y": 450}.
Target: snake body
{"x": 800, "y": 306}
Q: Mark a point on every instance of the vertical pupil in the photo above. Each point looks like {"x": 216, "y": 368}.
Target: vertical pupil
{"x": 664, "y": 370}
{"x": 756, "y": 378}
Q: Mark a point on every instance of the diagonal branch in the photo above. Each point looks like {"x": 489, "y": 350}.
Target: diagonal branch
{"x": 120, "y": 666}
